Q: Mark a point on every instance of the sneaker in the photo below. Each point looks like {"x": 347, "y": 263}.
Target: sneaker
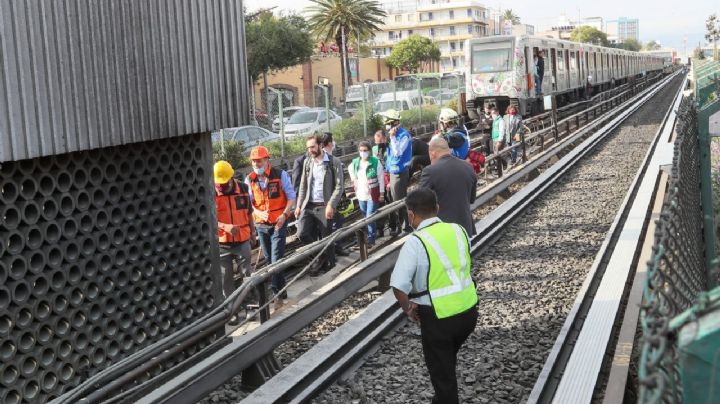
{"x": 279, "y": 303}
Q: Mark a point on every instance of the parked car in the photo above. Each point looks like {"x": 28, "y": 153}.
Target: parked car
{"x": 248, "y": 135}
{"x": 401, "y": 101}
{"x": 287, "y": 113}
{"x": 312, "y": 120}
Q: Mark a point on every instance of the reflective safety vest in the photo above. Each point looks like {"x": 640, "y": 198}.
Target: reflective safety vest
{"x": 234, "y": 209}
{"x": 496, "y": 129}
{"x": 272, "y": 200}
{"x": 450, "y": 286}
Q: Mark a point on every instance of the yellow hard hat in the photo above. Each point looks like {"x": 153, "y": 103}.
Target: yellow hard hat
{"x": 223, "y": 172}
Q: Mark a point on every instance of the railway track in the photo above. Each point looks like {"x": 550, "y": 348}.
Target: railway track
{"x": 528, "y": 276}
{"x": 226, "y": 361}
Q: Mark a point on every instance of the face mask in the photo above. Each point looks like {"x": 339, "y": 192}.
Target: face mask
{"x": 513, "y": 113}
{"x": 364, "y": 155}
{"x": 259, "y": 171}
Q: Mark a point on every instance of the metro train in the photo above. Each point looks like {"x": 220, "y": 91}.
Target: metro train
{"x": 500, "y": 71}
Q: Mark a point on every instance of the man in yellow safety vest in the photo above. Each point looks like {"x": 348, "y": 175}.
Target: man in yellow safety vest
{"x": 432, "y": 282}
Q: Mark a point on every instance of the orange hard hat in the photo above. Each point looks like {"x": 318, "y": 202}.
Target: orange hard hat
{"x": 259, "y": 152}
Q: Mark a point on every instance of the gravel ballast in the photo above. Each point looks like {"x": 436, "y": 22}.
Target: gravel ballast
{"x": 527, "y": 282}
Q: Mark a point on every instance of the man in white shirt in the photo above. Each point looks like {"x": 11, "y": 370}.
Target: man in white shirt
{"x": 319, "y": 193}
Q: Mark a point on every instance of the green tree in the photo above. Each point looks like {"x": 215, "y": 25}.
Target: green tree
{"x": 698, "y": 53}
{"x": 343, "y": 20}
{"x": 411, "y": 52}
{"x": 588, "y": 34}
{"x": 652, "y": 45}
{"x": 631, "y": 45}
{"x": 276, "y": 43}
{"x": 509, "y": 15}
{"x": 712, "y": 32}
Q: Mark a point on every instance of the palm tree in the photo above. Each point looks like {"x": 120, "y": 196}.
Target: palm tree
{"x": 508, "y": 15}
{"x": 339, "y": 19}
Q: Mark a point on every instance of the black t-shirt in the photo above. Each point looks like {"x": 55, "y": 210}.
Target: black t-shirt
{"x": 419, "y": 147}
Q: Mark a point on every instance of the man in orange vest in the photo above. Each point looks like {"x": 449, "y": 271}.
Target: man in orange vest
{"x": 273, "y": 197}
{"x": 236, "y": 230}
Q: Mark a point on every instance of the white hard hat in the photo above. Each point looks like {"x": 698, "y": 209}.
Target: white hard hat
{"x": 391, "y": 115}
{"x": 447, "y": 115}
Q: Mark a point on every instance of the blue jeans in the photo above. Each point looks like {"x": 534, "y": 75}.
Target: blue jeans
{"x": 272, "y": 243}
{"x": 514, "y": 151}
{"x": 538, "y": 85}
{"x": 368, "y": 208}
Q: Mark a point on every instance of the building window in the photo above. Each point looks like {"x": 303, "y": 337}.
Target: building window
{"x": 432, "y": 31}
{"x": 452, "y": 14}
{"x": 470, "y": 29}
{"x": 454, "y": 62}
{"x": 469, "y": 12}
{"x": 430, "y": 16}
{"x": 477, "y": 13}
{"x": 452, "y": 46}
{"x": 462, "y": 45}
{"x": 411, "y": 17}
{"x": 477, "y": 29}
{"x": 410, "y": 32}
{"x": 452, "y": 30}
{"x": 398, "y": 18}
{"x": 391, "y": 35}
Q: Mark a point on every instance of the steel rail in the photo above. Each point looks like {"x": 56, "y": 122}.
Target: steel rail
{"x": 208, "y": 323}
{"x": 556, "y": 383}
{"x": 320, "y": 366}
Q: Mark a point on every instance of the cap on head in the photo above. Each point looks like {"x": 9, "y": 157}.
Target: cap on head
{"x": 223, "y": 172}
{"x": 259, "y": 152}
{"x": 391, "y": 115}
{"x": 448, "y": 115}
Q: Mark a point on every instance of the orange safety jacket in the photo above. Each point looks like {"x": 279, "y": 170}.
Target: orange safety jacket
{"x": 272, "y": 200}
{"x": 234, "y": 209}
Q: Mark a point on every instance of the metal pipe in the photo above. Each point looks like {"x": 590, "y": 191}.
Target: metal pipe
{"x": 82, "y": 199}
{"x": 41, "y": 310}
{"x": 5, "y": 296}
{"x": 40, "y": 286}
{"x": 8, "y": 192}
{"x": 7, "y": 351}
{"x": 36, "y": 261}
{"x": 16, "y": 266}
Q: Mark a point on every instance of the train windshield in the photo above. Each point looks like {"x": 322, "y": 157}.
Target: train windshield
{"x": 491, "y": 57}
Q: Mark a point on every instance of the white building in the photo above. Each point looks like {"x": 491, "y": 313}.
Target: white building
{"x": 622, "y": 29}
{"x": 447, "y": 22}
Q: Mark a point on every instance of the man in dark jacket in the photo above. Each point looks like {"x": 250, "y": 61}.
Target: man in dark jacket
{"x": 454, "y": 183}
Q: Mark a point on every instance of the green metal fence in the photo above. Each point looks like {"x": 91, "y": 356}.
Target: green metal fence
{"x": 677, "y": 273}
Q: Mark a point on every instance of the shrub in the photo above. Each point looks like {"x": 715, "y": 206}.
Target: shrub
{"x": 352, "y": 128}
{"x": 293, "y": 146}
{"x": 413, "y": 117}
{"x": 234, "y": 153}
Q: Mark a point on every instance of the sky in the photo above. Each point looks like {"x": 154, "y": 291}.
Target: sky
{"x": 667, "y": 22}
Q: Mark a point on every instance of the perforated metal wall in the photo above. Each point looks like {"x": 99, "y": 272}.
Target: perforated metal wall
{"x": 102, "y": 253}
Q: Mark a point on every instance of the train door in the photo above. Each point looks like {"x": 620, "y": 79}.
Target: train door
{"x": 574, "y": 69}
{"x": 553, "y": 63}
{"x": 568, "y": 73}
{"x": 529, "y": 71}
{"x": 561, "y": 76}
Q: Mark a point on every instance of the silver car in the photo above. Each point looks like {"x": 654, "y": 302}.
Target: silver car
{"x": 247, "y": 135}
{"x": 287, "y": 113}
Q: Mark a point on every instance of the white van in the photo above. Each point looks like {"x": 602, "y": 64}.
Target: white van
{"x": 401, "y": 101}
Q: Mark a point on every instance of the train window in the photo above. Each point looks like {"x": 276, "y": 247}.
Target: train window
{"x": 560, "y": 61}
{"x": 573, "y": 61}
{"x": 492, "y": 57}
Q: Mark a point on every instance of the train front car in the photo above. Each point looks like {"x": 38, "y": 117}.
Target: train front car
{"x": 495, "y": 74}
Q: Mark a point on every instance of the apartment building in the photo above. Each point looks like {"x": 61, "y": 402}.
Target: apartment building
{"x": 623, "y": 28}
{"x": 447, "y": 22}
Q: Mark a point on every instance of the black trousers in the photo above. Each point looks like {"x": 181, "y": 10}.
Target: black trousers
{"x": 441, "y": 341}
{"x": 314, "y": 226}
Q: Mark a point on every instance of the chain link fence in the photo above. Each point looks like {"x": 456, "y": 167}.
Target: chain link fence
{"x": 290, "y": 116}
{"x": 677, "y": 273}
